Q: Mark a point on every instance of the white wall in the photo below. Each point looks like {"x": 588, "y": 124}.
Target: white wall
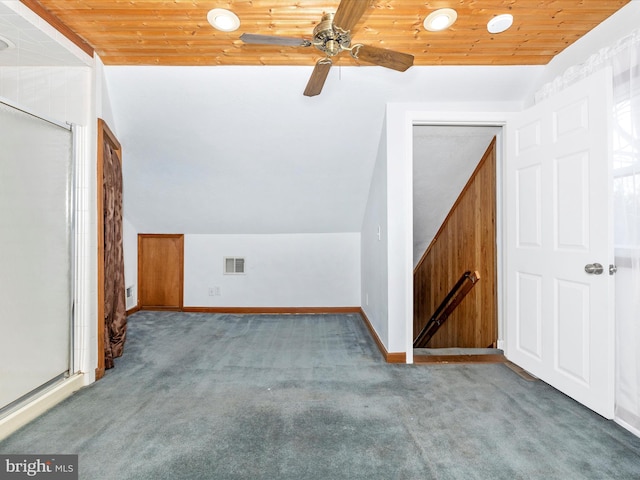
{"x": 374, "y": 290}
{"x": 60, "y": 93}
{"x": 104, "y": 110}
{"x": 282, "y": 270}
{"x": 103, "y": 100}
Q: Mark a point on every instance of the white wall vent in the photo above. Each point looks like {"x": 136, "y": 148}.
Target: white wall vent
{"x": 233, "y": 265}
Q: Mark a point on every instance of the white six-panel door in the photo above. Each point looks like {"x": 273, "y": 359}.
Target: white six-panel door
{"x": 559, "y": 322}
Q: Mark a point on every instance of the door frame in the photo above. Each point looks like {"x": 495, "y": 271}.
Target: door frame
{"x": 401, "y": 118}
{"x": 104, "y": 135}
{"x": 500, "y": 233}
{"x": 477, "y": 166}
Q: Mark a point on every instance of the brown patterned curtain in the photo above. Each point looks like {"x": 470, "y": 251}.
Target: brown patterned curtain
{"x": 115, "y": 311}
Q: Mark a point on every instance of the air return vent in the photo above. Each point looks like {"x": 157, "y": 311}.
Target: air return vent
{"x": 233, "y": 265}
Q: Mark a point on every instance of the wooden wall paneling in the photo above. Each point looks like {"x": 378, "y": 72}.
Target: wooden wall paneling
{"x": 104, "y": 135}
{"x": 465, "y": 241}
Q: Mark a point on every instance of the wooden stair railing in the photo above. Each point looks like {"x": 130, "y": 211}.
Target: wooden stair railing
{"x": 448, "y": 305}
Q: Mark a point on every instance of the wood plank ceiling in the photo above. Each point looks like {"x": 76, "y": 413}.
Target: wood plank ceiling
{"x": 176, "y": 32}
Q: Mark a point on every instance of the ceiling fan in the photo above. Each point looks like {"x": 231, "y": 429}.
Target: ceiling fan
{"x": 333, "y": 36}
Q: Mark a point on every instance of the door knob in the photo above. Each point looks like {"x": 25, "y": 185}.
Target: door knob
{"x": 594, "y": 268}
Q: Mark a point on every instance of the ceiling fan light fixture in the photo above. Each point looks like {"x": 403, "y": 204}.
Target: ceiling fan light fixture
{"x": 333, "y": 36}
{"x": 441, "y": 19}
{"x": 223, "y": 20}
{"x": 500, "y": 23}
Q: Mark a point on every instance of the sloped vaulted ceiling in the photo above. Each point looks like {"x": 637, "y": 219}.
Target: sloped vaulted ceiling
{"x": 217, "y": 136}
{"x": 241, "y": 150}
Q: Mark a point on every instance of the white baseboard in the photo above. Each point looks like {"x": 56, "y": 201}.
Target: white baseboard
{"x": 89, "y": 377}
{"x": 626, "y": 425}
{"x": 39, "y": 405}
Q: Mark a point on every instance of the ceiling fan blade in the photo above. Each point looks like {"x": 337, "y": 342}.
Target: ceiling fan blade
{"x": 318, "y": 76}
{"x": 274, "y": 40}
{"x": 349, "y": 12}
{"x": 383, "y": 57}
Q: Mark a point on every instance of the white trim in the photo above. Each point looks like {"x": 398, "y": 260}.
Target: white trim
{"x": 501, "y": 236}
{"x": 84, "y": 255}
{"x": 627, "y": 426}
{"x": 39, "y": 405}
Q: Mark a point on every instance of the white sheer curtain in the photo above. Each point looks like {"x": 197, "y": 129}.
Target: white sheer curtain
{"x": 624, "y": 59}
{"x": 626, "y": 171}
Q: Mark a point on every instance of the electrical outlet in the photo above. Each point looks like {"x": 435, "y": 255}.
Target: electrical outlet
{"x": 217, "y": 290}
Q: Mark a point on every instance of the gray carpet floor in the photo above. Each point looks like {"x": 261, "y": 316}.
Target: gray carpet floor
{"x": 199, "y": 396}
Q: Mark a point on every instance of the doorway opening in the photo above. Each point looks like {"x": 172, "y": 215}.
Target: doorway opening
{"x": 455, "y": 233}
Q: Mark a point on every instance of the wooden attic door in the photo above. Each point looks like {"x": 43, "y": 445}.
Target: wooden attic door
{"x": 160, "y": 271}
{"x": 466, "y": 241}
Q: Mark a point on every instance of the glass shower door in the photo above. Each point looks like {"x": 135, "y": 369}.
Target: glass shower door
{"x": 35, "y": 252}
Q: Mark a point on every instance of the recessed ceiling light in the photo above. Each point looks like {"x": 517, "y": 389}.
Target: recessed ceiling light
{"x": 500, "y": 23}
{"x": 223, "y": 20}
{"x": 440, "y": 19}
{"x": 5, "y": 43}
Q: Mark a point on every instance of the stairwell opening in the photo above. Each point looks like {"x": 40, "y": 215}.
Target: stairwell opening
{"x": 455, "y": 230}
